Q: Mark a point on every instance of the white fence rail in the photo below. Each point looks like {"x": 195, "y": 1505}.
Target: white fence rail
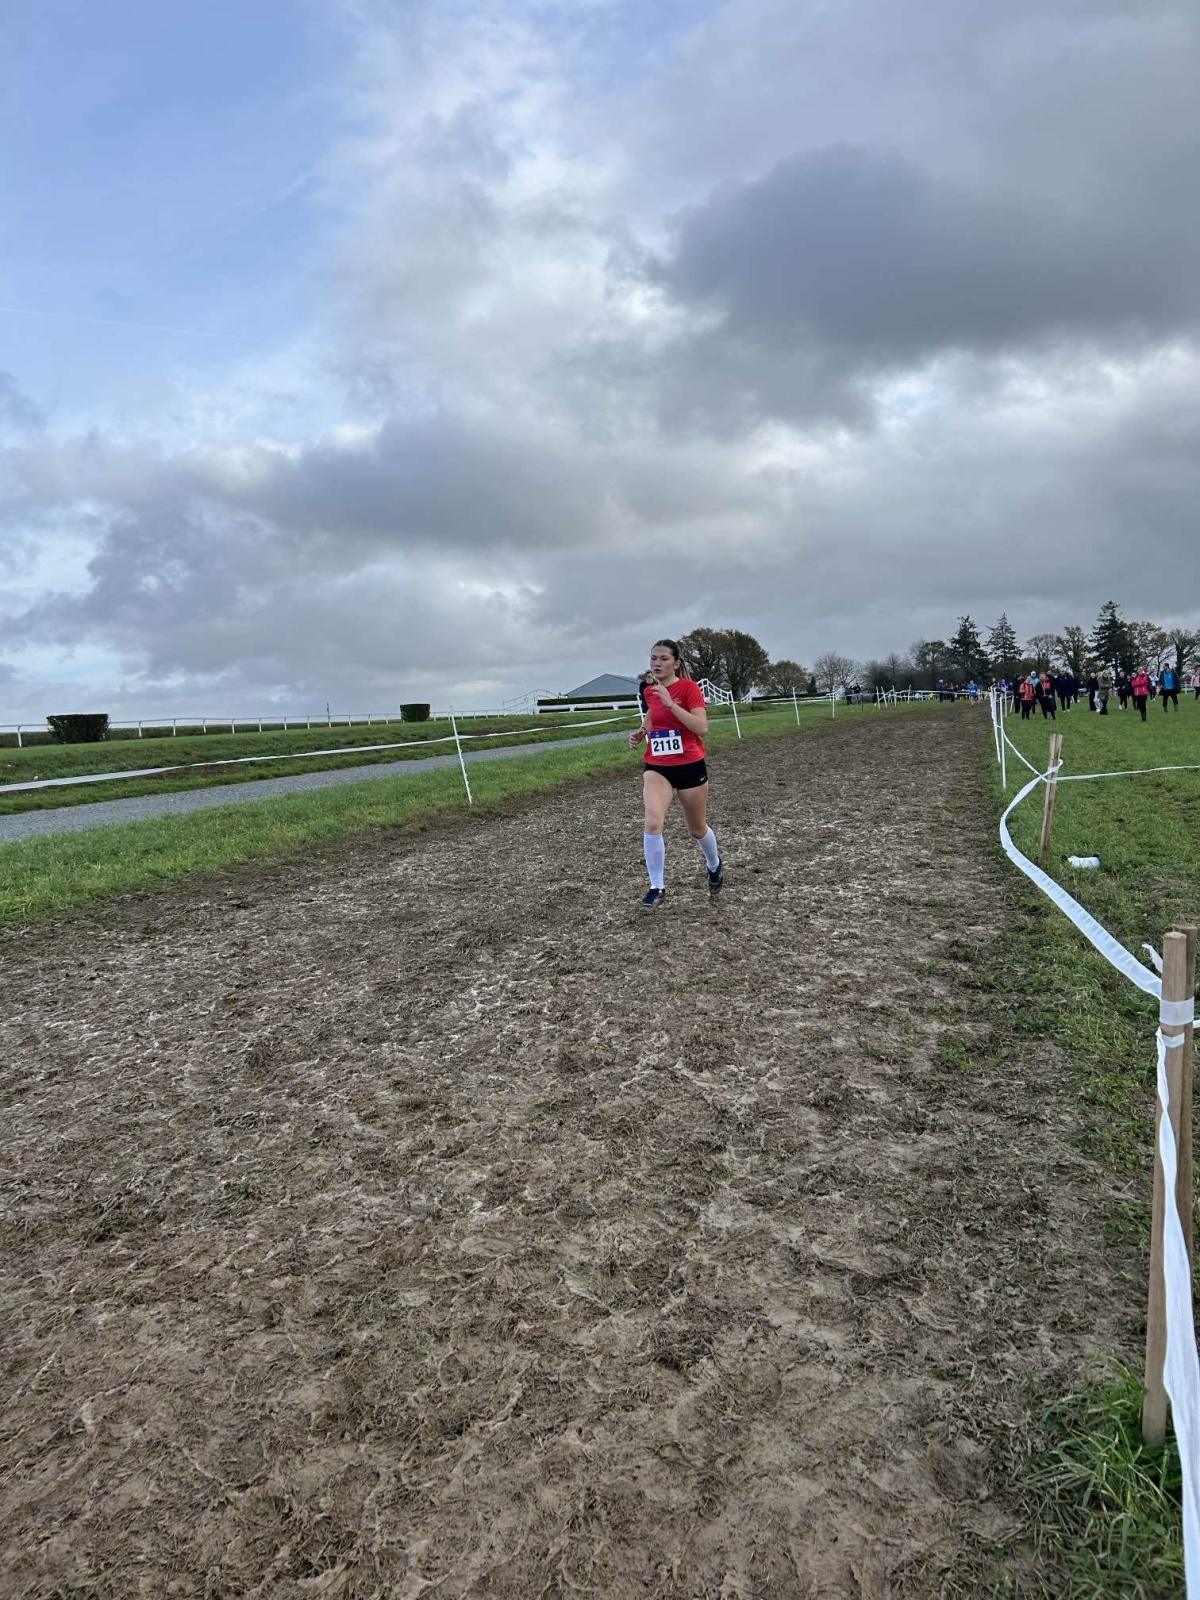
{"x": 270, "y": 721}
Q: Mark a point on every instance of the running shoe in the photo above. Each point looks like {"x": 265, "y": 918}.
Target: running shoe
{"x": 716, "y": 878}
{"x": 653, "y": 898}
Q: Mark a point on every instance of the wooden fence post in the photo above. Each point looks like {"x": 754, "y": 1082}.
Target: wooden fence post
{"x": 1051, "y": 791}
{"x": 1178, "y": 983}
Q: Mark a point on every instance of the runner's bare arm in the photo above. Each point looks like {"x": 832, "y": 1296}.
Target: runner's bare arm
{"x": 695, "y": 721}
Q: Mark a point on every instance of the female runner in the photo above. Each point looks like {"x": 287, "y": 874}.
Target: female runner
{"x": 674, "y": 727}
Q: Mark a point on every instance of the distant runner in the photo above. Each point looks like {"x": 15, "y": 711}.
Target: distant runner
{"x": 674, "y": 727}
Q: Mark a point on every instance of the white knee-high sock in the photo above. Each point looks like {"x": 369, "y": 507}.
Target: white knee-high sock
{"x": 656, "y": 854}
{"x": 708, "y": 848}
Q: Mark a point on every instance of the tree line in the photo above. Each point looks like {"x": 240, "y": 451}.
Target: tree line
{"x": 737, "y": 661}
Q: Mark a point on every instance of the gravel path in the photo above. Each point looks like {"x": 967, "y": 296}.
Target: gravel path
{"x": 76, "y": 819}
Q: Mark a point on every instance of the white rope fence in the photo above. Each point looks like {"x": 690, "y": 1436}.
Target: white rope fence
{"x": 1172, "y": 1365}
{"x": 454, "y": 737}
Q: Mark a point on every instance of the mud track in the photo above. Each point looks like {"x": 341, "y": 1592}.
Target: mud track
{"x": 426, "y": 1219}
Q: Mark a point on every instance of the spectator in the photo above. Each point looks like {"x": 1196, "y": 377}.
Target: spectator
{"x": 1025, "y": 693}
{"x": 1194, "y": 682}
{"x": 1047, "y": 697}
{"x": 1168, "y": 685}
{"x": 1139, "y": 688}
{"x": 1062, "y": 687}
{"x": 1093, "y": 687}
{"x": 1123, "y": 688}
{"x": 1104, "y": 689}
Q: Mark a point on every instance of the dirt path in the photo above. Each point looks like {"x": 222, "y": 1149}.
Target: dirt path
{"x": 430, "y": 1220}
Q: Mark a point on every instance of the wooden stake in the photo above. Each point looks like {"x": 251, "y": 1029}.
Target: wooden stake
{"x": 1177, "y": 984}
{"x": 1051, "y": 791}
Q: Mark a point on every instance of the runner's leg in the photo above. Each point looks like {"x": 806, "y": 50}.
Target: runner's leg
{"x": 695, "y": 809}
{"x": 657, "y": 795}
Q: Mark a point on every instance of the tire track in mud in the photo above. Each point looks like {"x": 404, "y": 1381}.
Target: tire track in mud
{"x": 427, "y": 1215}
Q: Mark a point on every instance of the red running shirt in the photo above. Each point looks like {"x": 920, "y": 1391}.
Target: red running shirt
{"x": 669, "y": 743}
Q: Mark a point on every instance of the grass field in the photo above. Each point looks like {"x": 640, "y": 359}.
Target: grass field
{"x": 201, "y": 752}
{"x": 48, "y": 876}
{"x": 1103, "y": 1509}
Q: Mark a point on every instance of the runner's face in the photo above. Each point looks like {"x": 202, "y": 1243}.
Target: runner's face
{"x": 662, "y": 664}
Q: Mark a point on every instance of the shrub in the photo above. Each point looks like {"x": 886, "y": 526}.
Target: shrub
{"x": 80, "y": 727}
{"x": 414, "y": 712}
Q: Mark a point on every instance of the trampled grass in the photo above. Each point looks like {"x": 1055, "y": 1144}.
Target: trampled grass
{"x": 1104, "y": 1510}
{"x": 47, "y": 877}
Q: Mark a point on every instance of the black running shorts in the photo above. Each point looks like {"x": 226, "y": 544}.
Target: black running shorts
{"x": 681, "y": 774}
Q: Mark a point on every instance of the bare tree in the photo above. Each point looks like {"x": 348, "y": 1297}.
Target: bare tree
{"x": 1150, "y": 643}
{"x": 1185, "y": 646}
{"x": 1042, "y": 647}
{"x": 1071, "y": 646}
{"x": 833, "y": 672}
{"x": 899, "y": 671}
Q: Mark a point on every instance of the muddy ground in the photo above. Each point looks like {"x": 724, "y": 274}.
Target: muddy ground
{"x": 427, "y": 1219}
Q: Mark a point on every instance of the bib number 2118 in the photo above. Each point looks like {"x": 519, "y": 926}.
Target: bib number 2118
{"x": 666, "y": 742}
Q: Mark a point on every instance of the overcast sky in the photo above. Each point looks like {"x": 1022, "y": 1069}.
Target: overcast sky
{"x": 373, "y": 350}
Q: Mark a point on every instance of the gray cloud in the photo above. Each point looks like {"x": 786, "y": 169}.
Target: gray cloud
{"x": 831, "y": 323}
{"x": 18, "y": 413}
{"x": 843, "y": 265}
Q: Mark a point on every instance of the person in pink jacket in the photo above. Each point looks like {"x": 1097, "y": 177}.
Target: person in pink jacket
{"x": 1139, "y": 688}
{"x": 1194, "y": 682}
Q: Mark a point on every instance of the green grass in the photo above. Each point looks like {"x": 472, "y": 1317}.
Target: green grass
{"x": 1104, "y": 1511}
{"x": 48, "y": 877}
{"x": 1107, "y": 1506}
{"x": 62, "y": 761}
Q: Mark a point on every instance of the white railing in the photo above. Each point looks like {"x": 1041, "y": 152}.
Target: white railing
{"x": 618, "y": 703}
{"x": 159, "y": 727}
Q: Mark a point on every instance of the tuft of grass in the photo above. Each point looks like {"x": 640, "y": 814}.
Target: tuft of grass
{"x": 1104, "y": 1506}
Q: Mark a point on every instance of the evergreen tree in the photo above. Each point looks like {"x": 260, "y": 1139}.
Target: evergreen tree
{"x": 966, "y": 650}
{"x": 1112, "y": 641}
{"x": 1003, "y": 649}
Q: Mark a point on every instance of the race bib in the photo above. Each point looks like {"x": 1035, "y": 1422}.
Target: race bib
{"x": 665, "y": 742}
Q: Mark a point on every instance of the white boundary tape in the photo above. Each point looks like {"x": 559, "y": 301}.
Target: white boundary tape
{"x": 302, "y": 755}
{"x": 1094, "y": 932}
{"x": 1181, "y": 1366}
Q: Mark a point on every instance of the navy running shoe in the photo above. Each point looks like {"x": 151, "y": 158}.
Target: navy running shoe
{"x": 653, "y": 898}
{"x": 716, "y": 878}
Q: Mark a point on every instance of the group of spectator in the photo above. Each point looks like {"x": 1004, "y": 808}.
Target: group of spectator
{"x": 1041, "y": 690}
